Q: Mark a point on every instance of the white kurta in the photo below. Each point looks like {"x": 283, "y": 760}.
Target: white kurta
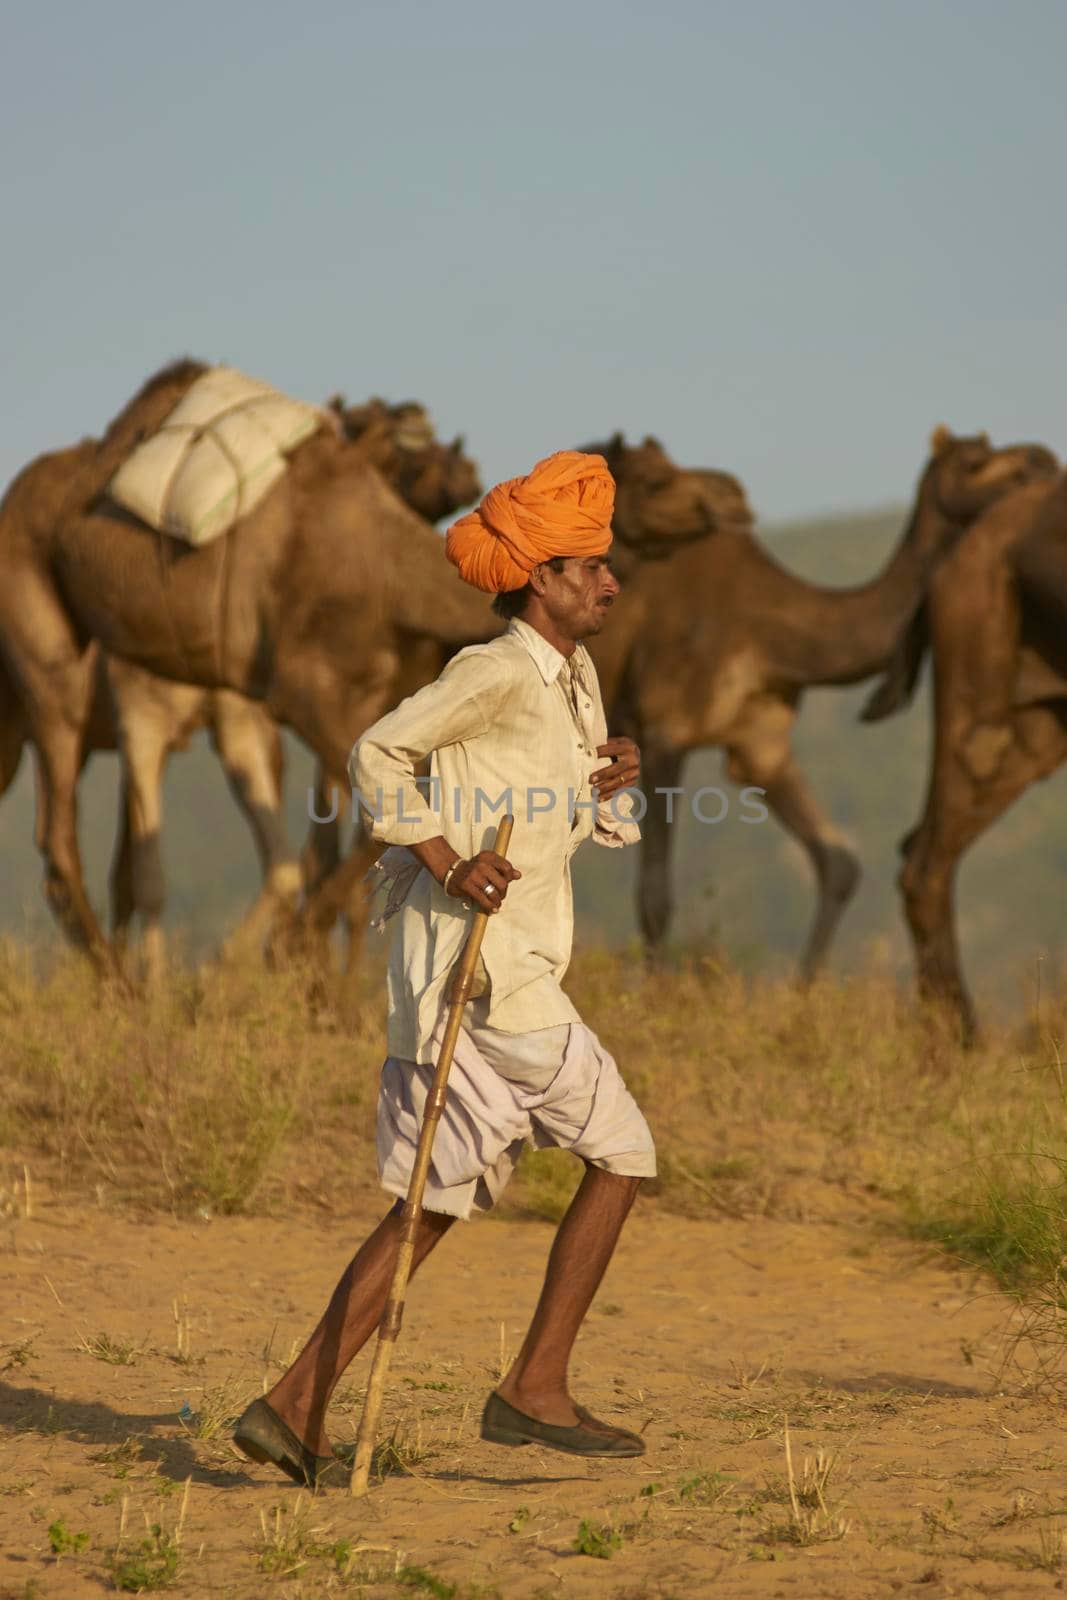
{"x": 511, "y": 725}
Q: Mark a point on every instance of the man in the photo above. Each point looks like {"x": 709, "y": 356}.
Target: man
{"x": 515, "y": 725}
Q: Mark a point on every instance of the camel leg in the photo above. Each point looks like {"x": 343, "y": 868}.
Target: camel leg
{"x": 64, "y": 884}
{"x": 123, "y": 898}
{"x": 144, "y": 753}
{"x": 837, "y": 869}
{"x": 329, "y": 726}
{"x": 322, "y": 847}
{"x": 341, "y": 895}
{"x": 12, "y": 731}
{"x": 55, "y": 685}
{"x": 250, "y": 747}
{"x": 660, "y": 769}
{"x": 322, "y": 857}
{"x": 960, "y": 806}
{"x": 763, "y": 758}
{"x": 340, "y": 889}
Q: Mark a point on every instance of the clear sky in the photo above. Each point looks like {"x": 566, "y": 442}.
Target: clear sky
{"x": 787, "y": 237}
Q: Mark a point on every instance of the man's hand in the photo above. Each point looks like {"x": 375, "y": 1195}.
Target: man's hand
{"x": 622, "y": 773}
{"x": 484, "y": 880}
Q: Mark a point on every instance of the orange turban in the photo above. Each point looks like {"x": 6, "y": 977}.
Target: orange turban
{"x": 562, "y": 508}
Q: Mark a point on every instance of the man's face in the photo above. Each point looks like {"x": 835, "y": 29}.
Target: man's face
{"x": 577, "y": 599}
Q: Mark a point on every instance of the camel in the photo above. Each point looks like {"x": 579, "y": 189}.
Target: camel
{"x": 722, "y": 641}
{"x": 156, "y": 716}
{"x": 149, "y": 717}
{"x": 992, "y": 617}
{"x": 311, "y": 604}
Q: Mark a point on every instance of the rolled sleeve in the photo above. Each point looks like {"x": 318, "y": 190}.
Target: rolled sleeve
{"x": 615, "y": 824}
{"x": 457, "y": 708}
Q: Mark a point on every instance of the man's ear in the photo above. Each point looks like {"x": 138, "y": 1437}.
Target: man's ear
{"x": 536, "y": 579}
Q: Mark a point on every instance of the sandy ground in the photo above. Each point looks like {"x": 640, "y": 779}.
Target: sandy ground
{"x": 707, "y": 1337}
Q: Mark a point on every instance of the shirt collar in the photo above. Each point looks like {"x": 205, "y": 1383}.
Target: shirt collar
{"x": 550, "y": 661}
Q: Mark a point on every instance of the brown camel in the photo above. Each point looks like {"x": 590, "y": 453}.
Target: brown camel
{"x": 993, "y": 617}
{"x": 310, "y": 604}
{"x": 723, "y": 641}
{"x": 658, "y": 509}
{"x": 156, "y": 716}
{"x": 149, "y": 717}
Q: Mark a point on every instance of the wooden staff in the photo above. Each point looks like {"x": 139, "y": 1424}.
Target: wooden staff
{"x": 392, "y": 1316}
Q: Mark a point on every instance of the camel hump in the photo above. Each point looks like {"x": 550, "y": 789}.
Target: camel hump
{"x": 214, "y": 457}
{"x": 897, "y": 684}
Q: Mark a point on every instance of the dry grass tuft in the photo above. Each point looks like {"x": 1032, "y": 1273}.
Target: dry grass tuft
{"x": 226, "y": 1094}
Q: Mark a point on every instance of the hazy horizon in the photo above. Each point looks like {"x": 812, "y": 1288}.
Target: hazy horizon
{"x": 787, "y": 240}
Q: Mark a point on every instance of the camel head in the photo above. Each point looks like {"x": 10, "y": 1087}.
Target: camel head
{"x": 434, "y": 478}
{"x": 965, "y": 474}
{"x": 659, "y": 504}
{"x": 728, "y": 497}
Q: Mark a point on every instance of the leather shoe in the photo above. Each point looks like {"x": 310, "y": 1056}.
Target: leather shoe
{"x": 502, "y": 1424}
{"x": 260, "y": 1432}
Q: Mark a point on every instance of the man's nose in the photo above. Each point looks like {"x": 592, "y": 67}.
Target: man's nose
{"x": 611, "y": 583}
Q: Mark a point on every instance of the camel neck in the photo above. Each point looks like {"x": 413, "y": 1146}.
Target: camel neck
{"x": 840, "y": 636}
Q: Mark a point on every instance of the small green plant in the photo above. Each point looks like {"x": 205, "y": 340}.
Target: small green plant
{"x": 153, "y": 1564}
{"x": 342, "y": 1553}
{"x": 102, "y": 1347}
{"x": 155, "y": 1561}
{"x": 519, "y": 1520}
{"x": 704, "y": 1488}
{"x": 940, "y": 1522}
{"x": 600, "y": 1541}
{"x": 399, "y": 1454}
{"x": 1052, "y": 1549}
{"x": 287, "y": 1543}
{"x": 63, "y": 1541}
{"x": 290, "y": 1542}
{"x": 17, "y": 1353}
{"x": 426, "y": 1582}
{"x": 49, "y": 1424}
{"x": 119, "y": 1458}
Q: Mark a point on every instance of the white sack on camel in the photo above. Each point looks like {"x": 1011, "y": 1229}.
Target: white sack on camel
{"x": 215, "y": 457}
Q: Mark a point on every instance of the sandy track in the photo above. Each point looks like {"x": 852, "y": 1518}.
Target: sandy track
{"x": 706, "y": 1336}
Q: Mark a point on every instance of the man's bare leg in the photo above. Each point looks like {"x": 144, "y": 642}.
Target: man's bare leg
{"x": 301, "y": 1395}
{"x": 583, "y": 1246}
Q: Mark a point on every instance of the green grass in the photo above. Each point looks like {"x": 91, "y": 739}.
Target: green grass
{"x": 1007, "y": 1216}
{"x": 64, "y": 1541}
{"x": 155, "y": 1563}
{"x": 425, "y": 1582}
{"x": 599, "y": 1540}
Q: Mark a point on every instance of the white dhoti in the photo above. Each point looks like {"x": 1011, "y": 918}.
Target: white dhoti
{"x": 552, "y": 1087}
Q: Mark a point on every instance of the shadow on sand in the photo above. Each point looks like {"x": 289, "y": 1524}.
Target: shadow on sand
{"x": 34, "y": 1411}
{"x": 31, "y": 1411}
{"x": 889, "y": 1383}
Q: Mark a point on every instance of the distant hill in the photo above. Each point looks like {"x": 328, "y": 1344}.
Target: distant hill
{"x": 745, "y": 889}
